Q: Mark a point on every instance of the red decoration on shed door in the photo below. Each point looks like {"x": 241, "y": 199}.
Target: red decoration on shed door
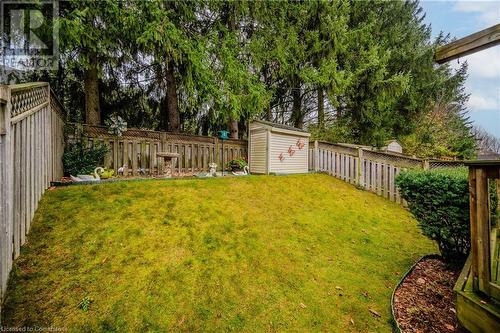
{"x": 281, "y": 157}
{"x": 291, "y": 151}
{"x": 300, "y": 144}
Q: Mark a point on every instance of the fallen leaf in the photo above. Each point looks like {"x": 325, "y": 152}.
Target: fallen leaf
{"x": 338, "y": 288}
{"x": 375, "y": 313}
{"x": 352, "y": 321}
{"x": 182, "y": 320}
{"x": 365, "y": 293}
{"x": 420, "y": 281}
{"x": 302, "y": 305}
{"x": 453, "y": 310}
{"x": 449, "y": 327}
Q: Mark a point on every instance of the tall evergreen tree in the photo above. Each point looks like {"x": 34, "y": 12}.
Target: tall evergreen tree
{"x": 352, "y": 71}
{"x": 90, "y": 29}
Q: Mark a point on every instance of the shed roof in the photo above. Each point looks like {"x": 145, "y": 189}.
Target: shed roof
{"x": 282, "y": 126}
{"x": 388, "y": 142}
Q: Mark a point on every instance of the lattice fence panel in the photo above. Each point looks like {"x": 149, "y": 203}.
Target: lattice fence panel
{"x": 435, "y": 164}
{"x": 400, "y": 161}
{"x": 26, "y": 100}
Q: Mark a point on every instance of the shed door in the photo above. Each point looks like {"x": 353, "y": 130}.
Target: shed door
{"x": 289, "y": 153}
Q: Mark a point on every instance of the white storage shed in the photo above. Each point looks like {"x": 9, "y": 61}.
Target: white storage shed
{"x": 277, "y": 148}
{"x": 393, "y": 146}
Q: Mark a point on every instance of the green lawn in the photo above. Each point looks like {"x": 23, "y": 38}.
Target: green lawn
{"x": 255, "y": 254}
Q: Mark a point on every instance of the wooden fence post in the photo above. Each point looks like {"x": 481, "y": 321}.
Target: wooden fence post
{"x": 217, "y": 152}
{"x": 425, "y": 164}
{"x": 3, "y": 107}
{"x": 360, "y": 169}
{"x": 316, "y": 156}
{"x": 6, "y": 190}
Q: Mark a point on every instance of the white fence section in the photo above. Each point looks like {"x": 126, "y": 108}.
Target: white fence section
{"x": 31, "y": 148}
{"x": 372, "y": 170}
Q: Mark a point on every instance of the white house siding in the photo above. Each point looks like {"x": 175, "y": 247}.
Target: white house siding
{"x": 258, "y": 147}
{"x": 280, "y": 143}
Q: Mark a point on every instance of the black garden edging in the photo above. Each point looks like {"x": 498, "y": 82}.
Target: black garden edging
{"x": 427, "y": 256}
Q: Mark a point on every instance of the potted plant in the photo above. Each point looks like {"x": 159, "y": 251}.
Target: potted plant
{"x": 236, "y": 164}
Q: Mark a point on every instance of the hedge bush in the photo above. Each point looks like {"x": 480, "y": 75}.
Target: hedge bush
{"x": 78, "y": 159}
{"x": 439, "y": 200}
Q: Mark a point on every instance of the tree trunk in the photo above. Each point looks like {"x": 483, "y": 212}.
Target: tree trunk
{"x": 297, "y": 116}
{"x": 233, "y": 128}
{"x": 231, "y": 25}
{"x": 173, "y": 120}
{"x": 321, "y": 108}
{"x": 92, "y": 106}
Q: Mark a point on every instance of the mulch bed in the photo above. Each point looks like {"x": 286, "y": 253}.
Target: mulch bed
{"x": 424, "y": 302}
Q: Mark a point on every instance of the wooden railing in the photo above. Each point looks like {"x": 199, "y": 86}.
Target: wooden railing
{"x": 31, "y": 148}
{"x": 136, "y": 149}
{"x": 372, "y": 170}
{"x": 477, "y": 290}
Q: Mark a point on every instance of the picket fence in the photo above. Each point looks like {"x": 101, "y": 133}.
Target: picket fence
{"x": 369, "y": 169}
{"x": 31, "y": 148}
{"x": 135, "y": 150}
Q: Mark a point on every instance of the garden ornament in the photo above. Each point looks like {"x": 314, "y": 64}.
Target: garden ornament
{"x": 213, "y": 169}
{"x": 223, "y": 135}
{"x": 245, "y": 172}
{"x": 116, "y": 125}
{"x": 121, "y": 170}
{"x": 89, "y": 178}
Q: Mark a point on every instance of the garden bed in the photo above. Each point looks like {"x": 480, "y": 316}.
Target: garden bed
{"x": 424, "y": 301}
{"x": 67, "y": 181}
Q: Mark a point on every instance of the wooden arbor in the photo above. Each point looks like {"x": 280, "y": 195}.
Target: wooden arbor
{"x": 478, "y": 287}
{"x": 471, "y": 44}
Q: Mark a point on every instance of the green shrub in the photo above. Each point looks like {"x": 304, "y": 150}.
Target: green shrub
{"x": 237, "y": 163}
{"x": 81, "y": 160}
{"x": 439, "y": 199}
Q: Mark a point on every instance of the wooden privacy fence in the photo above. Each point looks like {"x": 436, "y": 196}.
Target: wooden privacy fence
{"x": 136, "y": 149}
{"x": 372, "y": 170}
{"x": 31, "y": 148}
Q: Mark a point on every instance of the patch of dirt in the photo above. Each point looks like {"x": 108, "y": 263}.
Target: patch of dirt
{"x": 424, "y": 302}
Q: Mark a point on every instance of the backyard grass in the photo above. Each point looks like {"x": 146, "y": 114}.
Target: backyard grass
{"x": 255, "y": 254}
